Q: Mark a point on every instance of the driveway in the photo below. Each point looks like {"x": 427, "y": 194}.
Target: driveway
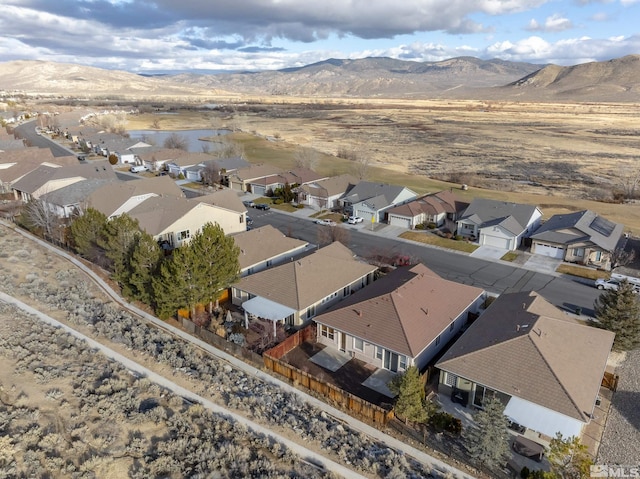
{"x": 542, "y": 264}
{"x": 489, "y": 253}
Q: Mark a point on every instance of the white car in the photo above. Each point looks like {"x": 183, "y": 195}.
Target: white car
{"x": 354, "y": 220}
{"x": 138, "y": 168}
{"x": 325, "y": 222}
{"x": 612, "y": 284}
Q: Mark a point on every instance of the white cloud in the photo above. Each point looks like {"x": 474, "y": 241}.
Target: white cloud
{"x": 553, "y": 23}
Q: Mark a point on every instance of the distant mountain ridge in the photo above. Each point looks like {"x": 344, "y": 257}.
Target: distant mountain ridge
{"x": 375, "y": 77}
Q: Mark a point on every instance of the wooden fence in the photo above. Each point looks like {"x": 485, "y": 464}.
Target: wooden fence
{"x": 221, "y": 343}
{"x": 353, "y": 404}
{"x": 610, "y": 381}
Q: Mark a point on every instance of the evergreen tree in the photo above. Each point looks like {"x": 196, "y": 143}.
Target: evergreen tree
{"x": 143, "y": 265}
{"x": 197, "y": 271}
{"x": 488, "y": 440}
{"x": 619, "y": 311}
{"x": 410, "y": 403}
{"x": 569, "y": 458}
{"x": 119, "y": 237}
{"x": 86, "y": 233}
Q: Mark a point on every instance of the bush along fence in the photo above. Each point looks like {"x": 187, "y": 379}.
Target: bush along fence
{"x": 349, "y": 402}
{"x": 219, "y": 342}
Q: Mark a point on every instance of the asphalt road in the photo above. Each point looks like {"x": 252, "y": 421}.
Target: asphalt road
{"x": 27, "y": 131}
{"x": 495, "y": 277}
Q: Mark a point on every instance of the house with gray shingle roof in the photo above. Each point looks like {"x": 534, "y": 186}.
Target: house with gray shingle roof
{"x": 403, "y": 319}
{"x": 498, "y": 223}
{"x": 325, "y": 193}
{"x": 265, "y": 247}
{"x": 544, "y": 366}
{"x": 296, "y": 291}
{"x": 371, "y": 200}
{"x": 583, "y": 237}
{"x": 436, "y": 208}
{"x": 15, "y": 164}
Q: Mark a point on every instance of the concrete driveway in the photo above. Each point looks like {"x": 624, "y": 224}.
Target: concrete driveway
{"x": 542, "y": 264}
{"x": 489, "y": 252}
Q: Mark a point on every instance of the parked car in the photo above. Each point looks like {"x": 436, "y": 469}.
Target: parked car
{"x": 353, "y": 220}
{"x": 249, "y": 220}
{"x": 261, "y": 206}
{"x": 248, "y": 203}
{"x": 138, "y": 168}
{"x": 325, "y": 222}
{"x": 607, "y": 284}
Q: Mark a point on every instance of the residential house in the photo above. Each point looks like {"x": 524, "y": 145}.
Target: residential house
{"x": 226, "y": 167}
{"x": 72, "y": 200}
{"x": 15, "y": 164}
{"x": 437, "y": 208}
{"x": 247, "y": 179}
{"x": 499, "y": 223}
{"x": 583, "y": 237}
{"x": 403, "y": 319}
{"x": 371, "y": 200}
{"x": 174, "y": 221}
{"x": 295, "y": 177}
{"x": 46, "y": 179}
{"x": 187, "y": 165}
{"x": 264, "y": 247}
{"x": 114, "y": 199}
{"x": 544, "y": 366}
{"x": 156, "y": 158}
{"x": 296, "y": 291}
{"x": 325, "y": 193}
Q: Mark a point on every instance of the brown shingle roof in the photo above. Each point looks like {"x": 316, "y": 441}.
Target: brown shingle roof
{"x": 17, "y": 163}
{"x": 431, "y": 204}
{"x": 304, "y": 282}
{"x": 42, "y": 175}
{"x": 263, "y": 243}
{"x": 404, "y": 311}
{"x": 525, "y": 347}
{"x": 226, "y": 199}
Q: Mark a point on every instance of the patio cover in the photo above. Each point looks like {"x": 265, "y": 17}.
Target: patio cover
{"x": 541, "y": 419}
{"x": 267, "y": 309}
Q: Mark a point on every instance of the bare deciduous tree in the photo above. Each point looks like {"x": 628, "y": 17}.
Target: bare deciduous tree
{"x": 210, "y": 173}
{"x": 177, "y": 142}
{"x": 622, "y": 257}
{"x": 39, "y": 216}
{"x": 228, "y": 149}
{"x": 629, "y": 182}
{"x": 306, "y": 158}
{"x": 329, "y": 234}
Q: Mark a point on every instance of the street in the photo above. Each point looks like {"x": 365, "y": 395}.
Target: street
{"x": 494, "y": 277}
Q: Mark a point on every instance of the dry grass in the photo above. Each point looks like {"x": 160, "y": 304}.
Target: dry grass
{"x": 510, "y": 256}
{"x": 582, "y": 272}
{"x": 429, "y": 238}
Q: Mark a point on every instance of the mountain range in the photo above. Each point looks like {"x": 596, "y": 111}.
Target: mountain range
{"x": 616, "y": 80}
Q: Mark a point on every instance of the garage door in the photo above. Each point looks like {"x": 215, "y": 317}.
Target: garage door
{"x": 366, "y": 215}
{"x": 399, "y": 221}
{"x": 551, "y": 251}
{"x": 496, "y": 241}
{"x": 259, "y": 190}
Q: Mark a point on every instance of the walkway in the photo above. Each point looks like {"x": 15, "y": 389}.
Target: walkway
{"x": 357, "y": 425}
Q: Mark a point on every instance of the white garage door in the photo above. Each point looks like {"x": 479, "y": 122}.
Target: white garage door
{"x": 366, "y": 215}
{"x": 399, "y": 221}
{"x": 259, "y": 190}
{"x": 551, "y": 251}
{"x": 496, "y": 241}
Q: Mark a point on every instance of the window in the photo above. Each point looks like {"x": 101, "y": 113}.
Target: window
{"x": 378, "y": 352}
{"x": 452, "y": 325}
{"x": 346, "y": 291}
{"x": 358, "y": 344}
{"x": 437, "y": 340}
{"x": 578, "y": 252}
{"x": 327, "y": 332}
{"x": 330, "y": 297}
{"x": 402, "y": 361}
{"x": 311, "y": 312}
{"x": 451, "y": 380}
{"x": 598, "y": 255}
{"x": 183, "y": 235}
{"x": 241, "y": 219}
{"x": 269, "y": 263}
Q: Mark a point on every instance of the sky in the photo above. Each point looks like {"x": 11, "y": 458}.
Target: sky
{"x": 153, "y": 36}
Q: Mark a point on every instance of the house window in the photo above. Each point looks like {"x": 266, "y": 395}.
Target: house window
{"x": 437, "y": 340}
{"x": 402, "y": 361}
{"x": 578, "y": 252}
{"x": 241, "y": 219}
{"x": 346, "y": 291}
{"x": 378, "y": 352}
{"x": 358, "y": 344}
{"x": 269, "y": 263}
{"x": 311, "y": 312}
{"x": 183, "y": 235}
{"x": 452, "y": 325}
{"x": 327, "y": 332}
{"x": 451, "y": 380}
{"x": 598, "y": 255}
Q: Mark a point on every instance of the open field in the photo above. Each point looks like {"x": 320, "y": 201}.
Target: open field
{"x": 561, "y": 157}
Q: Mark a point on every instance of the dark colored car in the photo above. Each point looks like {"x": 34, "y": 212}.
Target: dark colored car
{"x": 261, "y": 206}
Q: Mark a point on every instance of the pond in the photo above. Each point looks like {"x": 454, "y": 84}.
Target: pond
{"x": 194, "y": 137}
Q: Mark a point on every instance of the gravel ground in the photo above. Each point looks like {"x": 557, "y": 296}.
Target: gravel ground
{"x": 621, "y": 440}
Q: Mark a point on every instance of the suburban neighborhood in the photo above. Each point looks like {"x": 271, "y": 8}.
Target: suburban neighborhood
{"x": 314, "y": 309}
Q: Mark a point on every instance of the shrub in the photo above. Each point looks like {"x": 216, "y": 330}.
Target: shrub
{"x": 445, "y": 422}
{"x": 458, "y": 237}
{"x": 299, "y": 206}
{"x": 431, "y": 226}
{"x": 184, "y": 313}
{"x": 277, "y": 201}
{"x": 420, "y": 226}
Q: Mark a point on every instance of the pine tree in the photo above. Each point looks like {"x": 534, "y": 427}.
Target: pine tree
{"x": 619, "y": 311}
{"x": 488, "y": 440}
{"x": 410, "y": 403}
{"x": 174, "y": 287}
{"x": 143, "y": 265}
{"x": 569, "y": 458}
{"x": 119, "y": 237}
{"x": 86, "y": 233}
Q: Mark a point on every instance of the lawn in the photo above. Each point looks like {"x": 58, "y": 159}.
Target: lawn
{"x": 429, "y": 238}
{"x": 582, "y": 272}
{"x": 509, "y": 256}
